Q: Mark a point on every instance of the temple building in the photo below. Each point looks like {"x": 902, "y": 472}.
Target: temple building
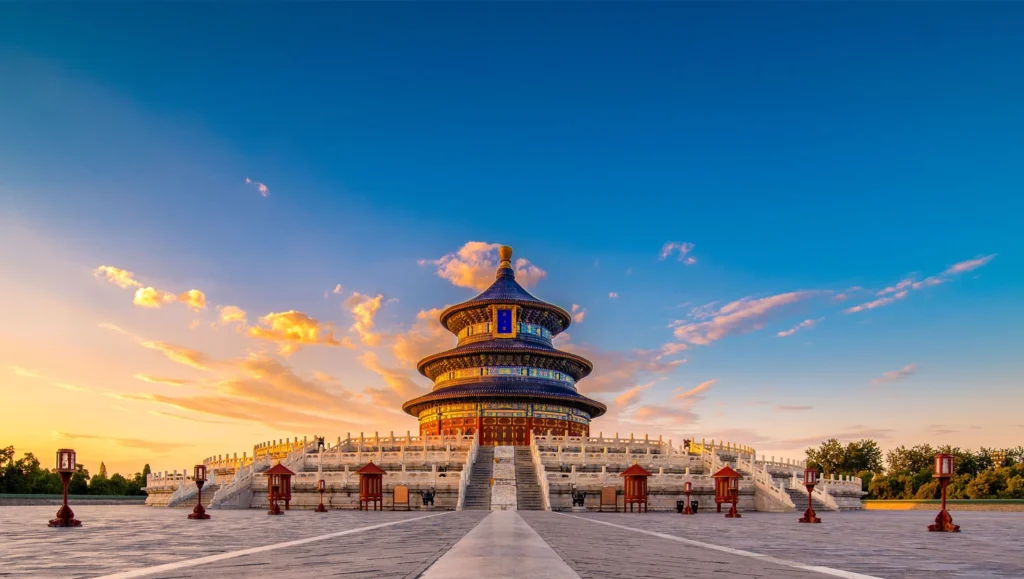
{"x": 505, "y": 380}
{"x": 505, "y": 427}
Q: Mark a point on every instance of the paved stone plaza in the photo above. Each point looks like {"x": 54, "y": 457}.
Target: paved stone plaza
{"x": 132, "y": 541}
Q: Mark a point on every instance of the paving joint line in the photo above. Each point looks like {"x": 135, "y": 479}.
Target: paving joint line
{"x": 759, "y": 556}
{"x": 144, "y": 571}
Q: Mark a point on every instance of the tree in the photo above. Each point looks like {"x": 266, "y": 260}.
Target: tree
{"x": 828, "y": 458}
{"x": 103, "y": 469}
{"x": 863, "y": 455}
{"x": 913, "y": 460}
{"x": 79, "y": 484}
{"x": 6, "y": 455}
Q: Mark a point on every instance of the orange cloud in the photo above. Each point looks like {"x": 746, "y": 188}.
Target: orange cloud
{"x": 116, "y": 276}
{"x": 694, "y": 391}
{"x": 426, "y": 337}
{"x": 474, "y": 264}
{"x": 632, "y": 395}
{"x": 364, "y": 309}
{"x": 294, "y": 329}
{"x": 160, "y": 380}
{"x": 232, "y": 315}
{"x": 25, "y": 372}
{"x": 149, "y": 297}
{"x": 193, "y": 299}
{"x": 400, "y": 384}
{"x": 178, "y": 354}
{"x": 155, "y": 447}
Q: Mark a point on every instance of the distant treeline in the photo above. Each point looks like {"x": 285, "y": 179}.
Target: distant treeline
{"x": 906, "y": 473}
{"x": 25, "y": 476}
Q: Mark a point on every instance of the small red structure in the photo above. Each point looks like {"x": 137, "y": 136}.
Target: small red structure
{"x": 810, "y": 479}
{"x": 199, "y": 476}
{"x": 634, "y": 488}
{"x": 371, "y": 487}
{"x": 944, "y": 472}
{"x": 279, "y": 488}
{"x": 687, "y": 488}
{"x": 321, "y": 486}
{"x": 727, "y": 490}
{"x": 66, "y": 466}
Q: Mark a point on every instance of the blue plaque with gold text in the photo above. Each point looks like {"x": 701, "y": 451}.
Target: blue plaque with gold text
{"x": 504, "y": 321}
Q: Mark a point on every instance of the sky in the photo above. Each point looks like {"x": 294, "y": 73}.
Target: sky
{"x": 227, "y": 223}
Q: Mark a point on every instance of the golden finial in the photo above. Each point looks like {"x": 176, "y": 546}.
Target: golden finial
{"x": 506, "y": 256}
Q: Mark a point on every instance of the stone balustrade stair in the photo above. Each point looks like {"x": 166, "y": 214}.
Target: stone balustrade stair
{"x": 800, "y": 500}
{"x": 478, "y": 490}
{"x": 528, "y": 492}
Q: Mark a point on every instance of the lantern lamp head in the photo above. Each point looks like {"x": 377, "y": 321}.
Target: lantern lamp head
{"x": 810, "y": 476}
{"x": 66, "y": 460}
{"x": 687, "y": 487}
{"x": 943, "y": 465}
{"x": 200, "y": 473}
{"x": 734, "y": 483}
{"x": 321, "y": 485}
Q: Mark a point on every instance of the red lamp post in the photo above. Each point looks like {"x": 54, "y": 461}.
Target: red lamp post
{"x": 321, "y": 486}
{"x": 66, "y": 467}
{"x": 810, "y": 479}
{"x": 199, "y": 475}
{"x": 687, "y": 488}
{"x": 944, "y": 472}
{"x": 734, "y": 490}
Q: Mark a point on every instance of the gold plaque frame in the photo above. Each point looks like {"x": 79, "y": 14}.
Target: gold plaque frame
{"x": 515, "y": 321}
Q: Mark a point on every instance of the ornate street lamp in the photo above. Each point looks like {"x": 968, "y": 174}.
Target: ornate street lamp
{"x": 687, "y": 488}
{"x": 65, "y": 467}
{"x": 810, "y": 479}
{"x": 944, "y": 472}
{"x": 734, "y": 490}
{"x": 199, "y": 475}
{"x": 321, "y": 486}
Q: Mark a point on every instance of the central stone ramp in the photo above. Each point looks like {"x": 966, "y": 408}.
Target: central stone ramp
{"x": 501, "y": 546}
{"x": 478, "y": 491}
{"x": 528, "y": 493}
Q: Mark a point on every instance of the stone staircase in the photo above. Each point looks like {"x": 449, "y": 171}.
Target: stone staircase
{"x": 208, "y": 492}
{"x": 800, "y": 500}
{"x": 528, "y": 493}
{"x": 478, "y": 490}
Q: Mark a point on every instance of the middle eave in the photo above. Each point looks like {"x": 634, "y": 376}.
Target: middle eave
{"x": 501, "y": 346}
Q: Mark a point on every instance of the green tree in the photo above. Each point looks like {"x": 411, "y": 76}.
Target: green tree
{"x": 902, "y": 459}
{"x": 103, "y": 469}
{"x": 828, "y": 458}
{"x": 863, "y": 455}
{"x": 79, "y": 484}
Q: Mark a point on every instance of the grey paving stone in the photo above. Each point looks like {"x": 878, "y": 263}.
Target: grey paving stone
{"x": 890, "y": 544}
{"x": 118, "y": 538}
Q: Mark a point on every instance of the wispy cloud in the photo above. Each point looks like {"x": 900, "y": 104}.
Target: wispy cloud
{"x": 789, "y": 408}
{"x": 968, "y": 264}
{"x": 902, "y": 289}
{"x": 613, "y": 295}
{"x": 743, "y": 315}
{"x": 904, "y": 372}
{"x": 155, "y": 447}
{"x": 25, "y": 372}
{"x": 148, "y": 296}
{"x": 116, "y": 276}
{"x": 264, "y": 191}
{"x": 473, "y": 266}
{"x": 161, "y": 380}
{"x": 694, "y": 391}
{"x": 72, "y": 387}
{"x": 681, "y": 249}
{"x": 806, "y": 324}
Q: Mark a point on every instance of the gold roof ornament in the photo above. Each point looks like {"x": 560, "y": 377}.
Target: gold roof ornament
{"x": 505, "y": 252}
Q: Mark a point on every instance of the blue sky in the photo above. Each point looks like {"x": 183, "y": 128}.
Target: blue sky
{"x": 799, "y": 148}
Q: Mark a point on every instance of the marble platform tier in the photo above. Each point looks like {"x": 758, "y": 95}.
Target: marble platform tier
{"x": 590, "y": 463}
